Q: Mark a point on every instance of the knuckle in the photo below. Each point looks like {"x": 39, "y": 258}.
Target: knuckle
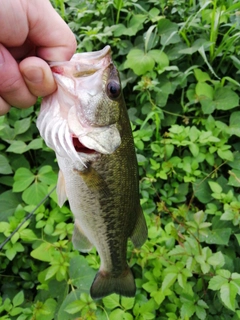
{"x": 10, "y": 84}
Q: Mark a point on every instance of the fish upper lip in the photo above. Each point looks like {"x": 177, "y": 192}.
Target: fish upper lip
{"x": 84, "y": 63}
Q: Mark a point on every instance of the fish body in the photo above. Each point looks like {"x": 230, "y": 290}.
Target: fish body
{"x": 86, "y": 123}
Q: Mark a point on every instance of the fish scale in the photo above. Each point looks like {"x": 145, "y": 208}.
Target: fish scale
{"x": 98, "y": 173}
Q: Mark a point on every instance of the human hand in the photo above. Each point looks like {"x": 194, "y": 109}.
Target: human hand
{"x": 31, "y": 33}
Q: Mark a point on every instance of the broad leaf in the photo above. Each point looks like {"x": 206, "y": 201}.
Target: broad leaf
{"x": 22, "y": 179}
{"x": 228, "y": 294}
{"x": 80, "y": 273}
{"x": 5, "y": 167}
{"x": 219, "y": 236}
{"x": 35, "y": 193}
{"x": 139, "y": 61}
{"x": 225, "y": 99}
{"x": 8, "y": 204}
{"x": 17, "y": 147}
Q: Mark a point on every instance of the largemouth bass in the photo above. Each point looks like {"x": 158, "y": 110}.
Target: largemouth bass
{"x": 86, "y": 123}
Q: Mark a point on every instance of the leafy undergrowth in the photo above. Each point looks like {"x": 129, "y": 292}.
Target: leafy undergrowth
{"x": 179, "y": 66}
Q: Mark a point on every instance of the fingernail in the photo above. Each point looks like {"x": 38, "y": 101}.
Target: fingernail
{"x": 34, "y": 75}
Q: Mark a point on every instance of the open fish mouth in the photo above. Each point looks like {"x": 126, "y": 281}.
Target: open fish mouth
{"x": 79, "y": 147}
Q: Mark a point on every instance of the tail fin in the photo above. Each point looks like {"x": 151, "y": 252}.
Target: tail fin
{"x": 105, "y": 284}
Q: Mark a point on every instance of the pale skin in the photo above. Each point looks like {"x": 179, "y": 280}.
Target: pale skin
{"x": 31, "y": 34}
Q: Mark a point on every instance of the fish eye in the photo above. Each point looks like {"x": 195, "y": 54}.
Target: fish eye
{"x": 113, "y": 90}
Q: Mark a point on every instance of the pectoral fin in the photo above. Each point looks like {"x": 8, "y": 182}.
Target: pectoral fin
{"x": 140, "y": 232}
{"x": 61, "y": 191}
{"x": 80, "y": 241}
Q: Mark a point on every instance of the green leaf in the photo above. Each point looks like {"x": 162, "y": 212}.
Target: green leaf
{"x": 201, "y": 76}
{"x": 168, "y": 31}
{"x": 35, "y": 144}
{"x": 80, "y": 273}
{"x": 5, "y": 167}
{"x": 28, "y": 235}
{"x": 225, "y": 99}
{"x": 111, "y": 302}
{"x": 238, "y": 238}
{"x": 117, "y": 314}
{"x": 51, "y": 271}
{"x": 224, "y": 273}
{"x": 4, "y": 226}
{"x": 18, "y": 299}
{"x": 228, "y": 294}
{"x": 22, "y": 179}
{"x": 158, "y": 296}
{"x": 15, "y": 311}
{"x": 35, "y": 193}
{"x": 71, "y": 297}
{"x": 225, "y": 154}
{"x": 118, "y": 4}
{"x": 127, "y": 303}
{"x": 234, "y": 179}
{"x": 200, "y": 312}
{"x": 47, "y": 176}
{"x": 187, "y": 310}
{"x": 234, "y": 121}
{"x": 43, "y": 252}
{"x": 194, "y": 48}
{"x": 22, "y": 126}
{"x": 139, "y": 61}
{"x": 74, "y": 307}
{"x": 11, "y": 253}
{"x": 215, "y": 187}
{"x": 204, "y": 90}
{"x": 168, "y": 281}
{"x": 135, "y": 24}
{"x": 219, "y": 236}
{"x": 202, "y": 190}
{"x": 8, "y": 204}
{"x": 194, "y": 148}
{"x": 150, "y": 286}
{"x": 17, "y": 147}
{"x": 217, "y": 259}
{"x": 160, "y": 57}
{"x": 216, "y": 282}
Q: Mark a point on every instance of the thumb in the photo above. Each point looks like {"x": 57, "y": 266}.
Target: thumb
{"x": 37, "y": 76}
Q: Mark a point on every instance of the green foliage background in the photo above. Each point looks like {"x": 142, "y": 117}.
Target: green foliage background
{"x": 179, "y": 64}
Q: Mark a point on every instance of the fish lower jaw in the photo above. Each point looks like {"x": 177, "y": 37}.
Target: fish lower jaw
{"x": 81, "y": 148}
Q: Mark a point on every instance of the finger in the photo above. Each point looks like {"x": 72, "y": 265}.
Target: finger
{"x": 4, "y": 107}
{"x": 12, "y": 86}
{"x": 38, "y": 76}
{"x": 13, "y": 23}
{"x": 53, "y": 37}
{"x": 41, "y": 24}
{"x": 27, "y": 49}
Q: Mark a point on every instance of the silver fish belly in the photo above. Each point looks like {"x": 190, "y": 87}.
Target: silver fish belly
{"x": 86, "y": 123}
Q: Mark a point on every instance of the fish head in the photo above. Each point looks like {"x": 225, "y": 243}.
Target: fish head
{"x": 80, "y": 119}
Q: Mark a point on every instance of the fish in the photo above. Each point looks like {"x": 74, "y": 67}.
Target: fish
{"x": 86, "y": 123}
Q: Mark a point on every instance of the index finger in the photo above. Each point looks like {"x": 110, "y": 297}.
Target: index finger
{"x": 47, "y": 30}
{"x": 38, "y": 22}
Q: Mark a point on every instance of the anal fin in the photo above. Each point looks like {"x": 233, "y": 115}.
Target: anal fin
{"x": 79, "y": 239}
{"x": 140, "y": 232}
